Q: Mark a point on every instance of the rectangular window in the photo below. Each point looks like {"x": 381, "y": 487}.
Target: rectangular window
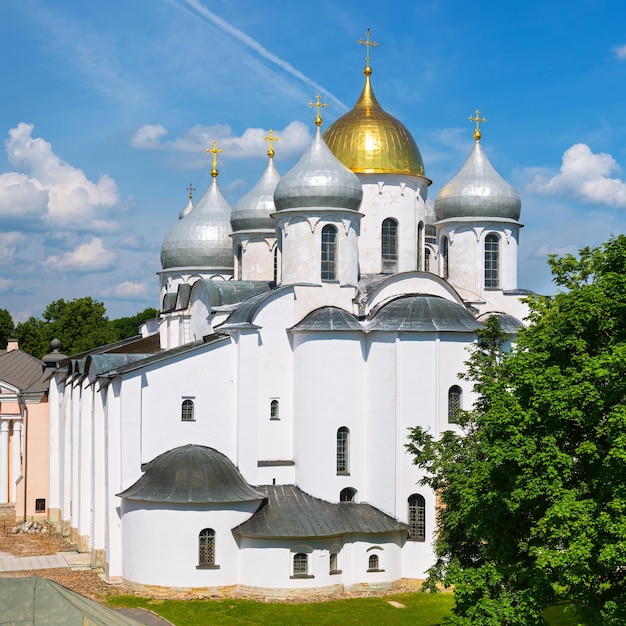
{"x": 40, "y": 505}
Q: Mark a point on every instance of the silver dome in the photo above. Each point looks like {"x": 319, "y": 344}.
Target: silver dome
{"x": 318, "y": 180}
{"x": 478, "y": 191}
{"x": 186, "y": 210}
{"x": 202, "y": 237}
{"x": 253, "y": 211}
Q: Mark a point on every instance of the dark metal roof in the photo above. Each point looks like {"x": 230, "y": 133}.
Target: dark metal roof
{"x": 422, "y": 313}
{"x": 106, "y": 362}
{"x": 23, "y": 371}
{"x": 328, "y": 318}
{"x": 192, "y": 474}
{"x": 290, "y": 512}
{"x": 245, "y": 313}
{"x": 224, "y": 292}
{"x": 508, "y": 323}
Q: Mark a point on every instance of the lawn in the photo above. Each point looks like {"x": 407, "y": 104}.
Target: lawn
{"x": 420, "y": 609}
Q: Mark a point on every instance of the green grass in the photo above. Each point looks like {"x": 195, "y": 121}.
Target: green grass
{"x": 421, "y": 609}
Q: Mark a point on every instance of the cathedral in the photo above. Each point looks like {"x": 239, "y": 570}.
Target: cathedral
{"x": 252, "y": 438}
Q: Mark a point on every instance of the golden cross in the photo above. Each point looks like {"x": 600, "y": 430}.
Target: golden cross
{"x": 271, "y": 139}
{"x": 318, "y": 104}
{"x": 214, "y": 150}
{"x": 478, "y": 120}
{"x": 191, "y": 189}
{"x": 367, "y": 43}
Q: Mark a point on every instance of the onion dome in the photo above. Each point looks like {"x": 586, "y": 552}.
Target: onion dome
{"x": 253, "y": 211}
{"x": 478, "y": 191}
{"x": 318, "y": 180}
{"x": 369, "y": 140}
{"x": 202, "y": 237}
{"x": 192, "y": 474}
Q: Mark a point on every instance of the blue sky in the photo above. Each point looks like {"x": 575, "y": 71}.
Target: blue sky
{"x": 109, "y": 106}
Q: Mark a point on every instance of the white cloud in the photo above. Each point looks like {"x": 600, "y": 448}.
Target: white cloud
{"x": 10, "y": 242}
{"x": 293, "y": 139}
{"x": 88, "y": 257}
{"x": 45, "y": 186}
{"x": 6, "y": 285}
{"x": 585, "y": 176}
{"x": 620, "y": 51}
{"x": 131, "y": 241}
{"x": 127, "y": 290}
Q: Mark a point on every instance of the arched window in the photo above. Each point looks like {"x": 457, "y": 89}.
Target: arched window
{"x": 300, "y": 564}
{"x": 389, "y": 246}
{"x": 420, "y": 245}
{"x": 239, "y": 261}
{"x": 492, "y": 261}
{"x": 274, "y": 414}
{"x": 329, "y": 252}
{"x": 372, "y": 563}
{"x": 206, "y": 547}
{"x": 417, "y": 517}
{"x": 454, "y": 403}
{"x": 186, "y": 411}
{"x": 444, "y": 257}
{"x": 347, "y": 494}
{"x": 427, "y": 259}
{"x": 332, "y": 566}
{"x": 343, "y": 453}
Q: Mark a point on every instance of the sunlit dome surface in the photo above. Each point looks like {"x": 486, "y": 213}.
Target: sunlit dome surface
{"x": 370, "y": 141}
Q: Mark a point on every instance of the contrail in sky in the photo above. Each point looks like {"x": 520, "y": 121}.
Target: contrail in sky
{"x": 256, "y": 46}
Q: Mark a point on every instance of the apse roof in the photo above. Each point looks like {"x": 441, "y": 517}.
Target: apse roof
{"x": 290, "y": 512}
{"x": 421, "y": 313}
{"x": 328, "y": 318}
{"x": 192, "y": 474}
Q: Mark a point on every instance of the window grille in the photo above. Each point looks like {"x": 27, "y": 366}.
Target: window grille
{"x": 492, "y": 261}
{"x": 276, "y": 264}
{"x": 417, "y": 517}
{"x": 300, "y": 564}
{"x": 239, "y": 262}
{"x": 389, "y": 245}
{"x": 444, "y": 257}
{"x": 373, "y": 562}
{"x": 333, "y": 562}
{"x": 274, "y": 415}
{"x": 342, "y": 450}
{"x": 420, "y": 244}
{"x": 40, "y": 505}
{"x": 427, "y": 259}
{"x": 454, "y": 404}
{"x": 347, "y": 494}
{"x": 186, "y": 411}
{"x": 329, "y": 252}
{"x": 206, "y": 547}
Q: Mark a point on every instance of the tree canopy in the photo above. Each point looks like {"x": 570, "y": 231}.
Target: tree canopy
{"x": 533, "y": 493}
{"x": 6, "y": 327}
{"x": 80, "y": 325}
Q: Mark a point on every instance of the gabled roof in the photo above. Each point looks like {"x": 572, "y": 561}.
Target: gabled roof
{"x": 290, "y": 512}
{"x": 23, "y": 371}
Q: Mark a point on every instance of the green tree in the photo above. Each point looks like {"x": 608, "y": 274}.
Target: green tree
{"x": 7, "y": 327}
{"x": 534, "y": 493}
{"x": 80, "y": 325}
{"x": 128, "y": 326}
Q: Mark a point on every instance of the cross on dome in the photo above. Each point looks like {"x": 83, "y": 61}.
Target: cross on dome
{"x": 190, "y": 189}
{"x": 478, "y": 121}
{"x": 271, "y": 138}
{"x": 318, "y": 104}
{"x": 214, "y": 150}
{"x": 367, "y": 43}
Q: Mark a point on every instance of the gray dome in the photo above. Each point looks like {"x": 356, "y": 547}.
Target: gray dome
{"x": 253, "y": 211}
{"x": 186, "y": 210}
{"x": 192, "y": 474}
{"x": 319, "y": 180}
{"x": 478, "y": 191}
{"x": 202, "y": 237}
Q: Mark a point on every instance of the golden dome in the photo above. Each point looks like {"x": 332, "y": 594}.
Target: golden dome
{"x": 370, "y": 141}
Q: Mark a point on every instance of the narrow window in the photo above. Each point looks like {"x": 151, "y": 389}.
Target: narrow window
{"x": 239, "y": 262}
{"x": 347, "y": 494}
{"x": 343, "y": 435}
{"x": 40, "y": 505}
{"x": 427, "y": 259}
{"x": 332, "y": 568}
{"x": 276, "y": 264}
{"x": 420, "y": 245}
{"x": 417, "y": 517}
{"x": 454, "y": 404}
{"x": 389, "y": 246}
{"x": 329, "y": 251}
{"x": 444, "y": 257}
{"x": 274, "y": 415}
{"x": 492, "y": 261}
{"x": 206, "y": 547}
{"x": 372, "y": 564}
{"x": 300, "y": 564}
{"x": 186, "y": 411}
